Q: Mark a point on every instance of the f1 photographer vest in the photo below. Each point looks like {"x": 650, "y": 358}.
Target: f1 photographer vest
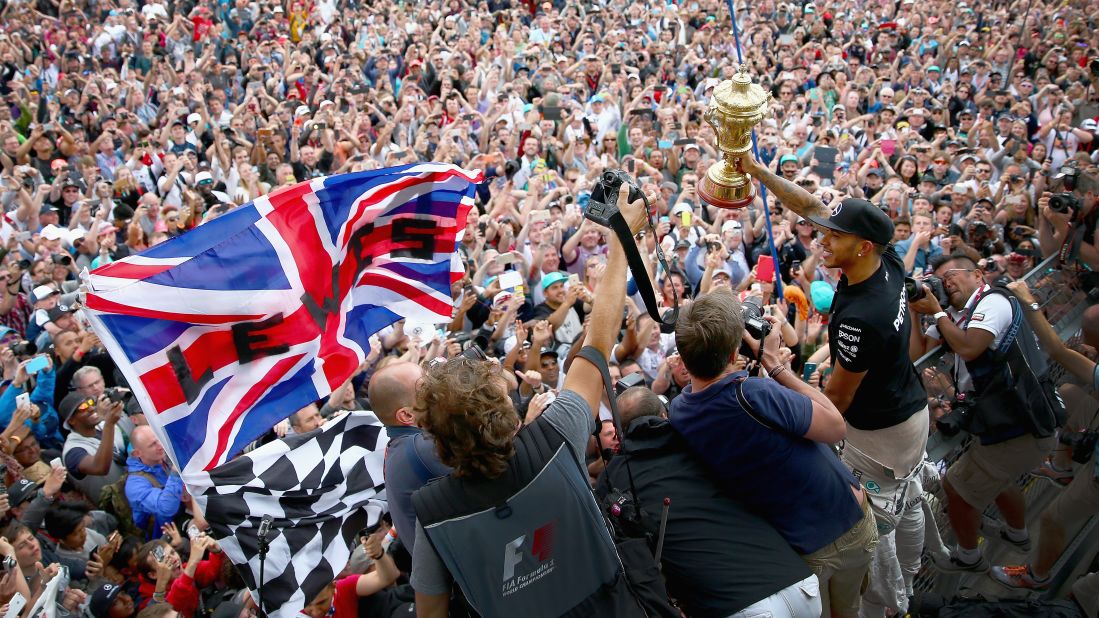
{"x": 1014, "y": 393}
{"x": 531, "y": 542}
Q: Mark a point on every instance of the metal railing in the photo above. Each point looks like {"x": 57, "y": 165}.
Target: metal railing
{"x": 1063, "y": 302}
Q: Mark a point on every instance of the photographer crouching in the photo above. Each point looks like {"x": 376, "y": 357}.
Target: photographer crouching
{"x": 1001, "y": 397}
{"x": 515, "y": 525}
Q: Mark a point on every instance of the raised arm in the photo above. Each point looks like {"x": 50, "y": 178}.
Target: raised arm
{"x": 583, "y": 378}
{"x": 789, "y": 194}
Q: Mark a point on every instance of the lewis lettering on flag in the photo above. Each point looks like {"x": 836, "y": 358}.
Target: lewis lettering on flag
{"x": 226, "y": 330}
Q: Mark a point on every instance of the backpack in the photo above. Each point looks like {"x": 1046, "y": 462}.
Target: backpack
{"x": 112, "y": 499}
{"x": 1017, "y": 389}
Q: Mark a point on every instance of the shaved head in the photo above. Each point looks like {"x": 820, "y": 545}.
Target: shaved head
{"x": 393, "y": 389}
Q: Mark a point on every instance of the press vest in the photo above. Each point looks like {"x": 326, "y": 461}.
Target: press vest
{"x": 531, "y": 542}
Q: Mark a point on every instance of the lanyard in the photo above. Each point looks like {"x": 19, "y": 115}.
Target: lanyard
{"x": 965, "y": 316}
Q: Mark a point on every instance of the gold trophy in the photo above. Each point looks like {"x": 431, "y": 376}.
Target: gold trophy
{"x": 736, "y": 107}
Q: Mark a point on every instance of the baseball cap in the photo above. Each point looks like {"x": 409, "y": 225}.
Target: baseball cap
{"x": 556, "y": 276}
{"x": 43, "y": 292}
{"x": 546, "y": 352}
{"x": 194, "y": 118}
{"x": 683, "y": 244}
{"x": 202, "y": 177}
{"x": 731, "y": 226}
{"x": 822, "y": 294}
{"x": 57, "y": 312}
{"x": 302, "y": 110}
{"x": 102, "y": 600}
{"x": 787, "y": 158}
{"x": 51, "y": 232}
{"x": 69, "y": 405}
{"x": 21, "y": 491}
{"x": 858, "y": 217}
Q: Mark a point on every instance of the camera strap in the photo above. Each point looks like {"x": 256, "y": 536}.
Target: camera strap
{"x": 610, "y": 216}
{"x": 594, "y": 357}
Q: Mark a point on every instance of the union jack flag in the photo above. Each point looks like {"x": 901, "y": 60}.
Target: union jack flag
{"x": 231, "y": 327}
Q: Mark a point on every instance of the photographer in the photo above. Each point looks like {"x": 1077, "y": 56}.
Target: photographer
{"x": 979, "y": 328}
{"x": 1080, "y": 499}
{"x": 782, "y": 439}
{"x": 1068, "y": 220}
{"x": 464, "y": 405}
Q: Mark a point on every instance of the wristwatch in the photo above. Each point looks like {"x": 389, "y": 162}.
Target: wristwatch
{"x": 940, "y": 314}
{"x": 1033, "y": 306}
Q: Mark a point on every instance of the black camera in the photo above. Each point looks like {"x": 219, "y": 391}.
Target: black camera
{"x": 915, "y": 291}
{"x": 1065, "y": 203}
{"x": 61, "y": 259}
{"x": 7, "y": 563}
{"x": 754, "y": 324}
{"x": 627, "y": 517}
{"x": 118, "y": 395}
{"x": 1068, "y": 175}
{"x": 1082, "y": 444}
{"x": 23, "y": 348}
{"x": 510, "y": 167}
{"x": 627, "y": 382}
{"x": 958, "y": 418}
{"x": 713, "y": 247}
{"x": 604, "y": 196}
{"x": 475, "y": 353}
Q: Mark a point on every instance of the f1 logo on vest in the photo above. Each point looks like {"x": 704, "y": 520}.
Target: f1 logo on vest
{"x": 541, "y": 549}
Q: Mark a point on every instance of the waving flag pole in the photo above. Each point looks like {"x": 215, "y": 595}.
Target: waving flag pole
{"x": 231, "y": 327}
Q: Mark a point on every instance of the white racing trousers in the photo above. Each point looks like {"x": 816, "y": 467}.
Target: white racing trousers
{"x": 889, "y": 464}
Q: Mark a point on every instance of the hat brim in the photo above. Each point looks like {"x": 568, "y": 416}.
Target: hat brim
{"x": 832, "y": 225}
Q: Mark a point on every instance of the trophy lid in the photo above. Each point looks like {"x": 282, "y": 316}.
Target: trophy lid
{"x": 740, "y": 96}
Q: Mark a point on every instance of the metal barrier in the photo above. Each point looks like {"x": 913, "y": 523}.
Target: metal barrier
{"x": 1063, "y": 302}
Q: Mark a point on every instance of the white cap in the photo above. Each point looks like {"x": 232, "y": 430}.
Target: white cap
{"x": 680, "y": 208}
{"x": 194, "y": 118}
{"x": 51, "y": 232}
{"x": 44, "y": 291}
{"x": 303, "y": 110}
{"x": 729, "y": 226}
{"x": 201, "y": 176}
{"x": 325, "y": 103}
{"x": 886, "y": 91}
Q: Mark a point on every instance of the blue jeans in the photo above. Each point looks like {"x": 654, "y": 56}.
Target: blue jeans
{"x": 799, "y": 600}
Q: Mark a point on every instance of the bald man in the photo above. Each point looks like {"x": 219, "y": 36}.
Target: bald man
{"x": 410, "y": 459}
{"x": 152, "y": 488}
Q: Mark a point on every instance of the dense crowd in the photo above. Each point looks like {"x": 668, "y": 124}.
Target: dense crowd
{"x": 127, "y": 124}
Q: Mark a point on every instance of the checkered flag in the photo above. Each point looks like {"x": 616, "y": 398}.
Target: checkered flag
{"x": 321, "y": 488}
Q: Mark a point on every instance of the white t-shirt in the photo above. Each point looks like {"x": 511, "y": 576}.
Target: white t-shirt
{"x": 991, "y": 313}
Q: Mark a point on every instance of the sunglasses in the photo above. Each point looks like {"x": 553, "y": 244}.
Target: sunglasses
{"x": 86, "y": 405}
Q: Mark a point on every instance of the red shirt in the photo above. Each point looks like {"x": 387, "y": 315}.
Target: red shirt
{"x": 345, "y": 601}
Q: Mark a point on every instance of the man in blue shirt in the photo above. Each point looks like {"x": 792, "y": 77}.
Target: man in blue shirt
{"x": 921, "y": 246}
{"x": 153, "y": 490}
{"x": 410, "y": 457}
{"x": 779, "y": 464}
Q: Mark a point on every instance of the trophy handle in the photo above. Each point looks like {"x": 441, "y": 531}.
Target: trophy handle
{"x": 708, "y": 116}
